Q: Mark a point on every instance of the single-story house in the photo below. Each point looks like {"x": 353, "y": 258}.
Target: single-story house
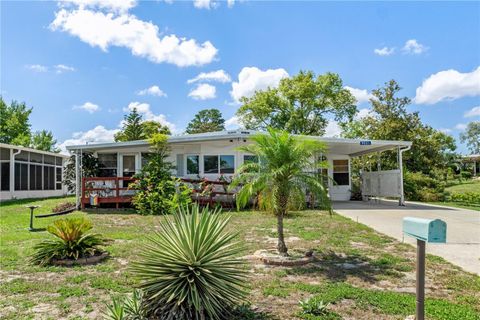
{"x": 215, "y": 154}
{"x": 30, "y": 173}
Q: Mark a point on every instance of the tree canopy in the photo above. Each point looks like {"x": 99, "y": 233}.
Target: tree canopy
{"x": 471, "y": 137}
{"x": 135, "y": 128}
{"x": 15, "y": 128}
{"x": 389, "y": 119}
{"x": 301, "y": 104}
{"x": 207, "y": 120}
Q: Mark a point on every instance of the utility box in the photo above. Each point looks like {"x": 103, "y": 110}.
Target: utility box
{"x": 433, "y": 231}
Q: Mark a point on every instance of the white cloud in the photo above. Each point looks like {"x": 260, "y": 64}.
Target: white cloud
{"x": 385, "y": 51}
{"x": 145, "y": 110}
{"x": 474, "y": 112}
{"x": 99, "y": 134}
{"x": 153, "y": 91}
{"x": 412, "y": 46}
{"x": 125, "y": 30}
{"x": 332, "y": 129}
{"x": 205, "y": 4}
{"x": 37, "y": 68}
{"x": 112, "y": 5}
{"x": 232, "y": 123}
{"x": 214, "y": 76}
{"x": 88, "y": 106}
{"x": 230, "y": 3}
{"x": 461, "y": 126}
{"x": 203, "y": 91}
{"x": 362, "y": 113}
{"x": 445, "y": 130}
{"x": 448, "y": 85}
{"x": 251, "y": 79}
{"x": 61, "y": 68}
{"x": 361, "y": 95}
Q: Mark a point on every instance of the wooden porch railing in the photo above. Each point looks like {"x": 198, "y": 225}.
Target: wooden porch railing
{"x": 108, "y": 190}
{"x": 209, "y": 192}
{"x": 111, "y": 190}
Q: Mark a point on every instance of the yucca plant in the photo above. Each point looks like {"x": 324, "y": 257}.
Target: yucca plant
{"x": 128, "y": 308}
{"x": 190, "y": 269}
{"x": 72, "y": 241}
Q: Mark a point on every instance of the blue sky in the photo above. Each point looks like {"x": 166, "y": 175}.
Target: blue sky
{"x": 82, "y": 64}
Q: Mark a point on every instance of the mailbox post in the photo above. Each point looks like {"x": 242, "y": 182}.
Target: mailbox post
{"x": 424, "y": 230}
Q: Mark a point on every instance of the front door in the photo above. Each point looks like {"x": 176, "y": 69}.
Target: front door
{"x": 340, "y": 186}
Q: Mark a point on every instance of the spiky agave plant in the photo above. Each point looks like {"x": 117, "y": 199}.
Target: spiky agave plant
{"x": 72, "y": 241}
{"x": 190, "y": 269}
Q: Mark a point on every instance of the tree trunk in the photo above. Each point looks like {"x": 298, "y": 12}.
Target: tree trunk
{"x": 281, "y": 246}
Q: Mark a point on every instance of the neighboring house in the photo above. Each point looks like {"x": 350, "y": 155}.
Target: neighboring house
{"x": 30, "y": 173}
{"x": 215, "y": 154}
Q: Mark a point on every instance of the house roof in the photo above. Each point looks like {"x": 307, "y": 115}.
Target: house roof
{"x": 12, "y": 146}
{"x": 352, "y": 147}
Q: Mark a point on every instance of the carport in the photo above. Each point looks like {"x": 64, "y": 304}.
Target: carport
{"x": 375, "y": 182}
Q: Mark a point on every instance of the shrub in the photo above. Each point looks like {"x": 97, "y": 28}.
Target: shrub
{"x": 72, "y": 241}
{"x": 157, "y": 191}
{"x": 189, "y": 269}
{"x": 466, "y": 197}
{"x": 63, "y": 206}
{"x": 420, "y": 187}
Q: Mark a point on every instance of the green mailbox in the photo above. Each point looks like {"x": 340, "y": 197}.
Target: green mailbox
{"x": 424, "y": 230}
{"x": 434, "y": 231}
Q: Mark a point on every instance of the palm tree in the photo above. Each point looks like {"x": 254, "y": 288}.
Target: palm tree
{"x": 282, "y": 175}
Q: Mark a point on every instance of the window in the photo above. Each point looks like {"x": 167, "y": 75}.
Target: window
{"x": 340, "y": 172}
{"x": 36, "y": 157}
{"x": 193, "y": 163}
{"x": 35, "y": 177}
{"x": 21, "y": 176}
{"x": 107, "y": 164}
{"x": 249, "y": 159}
{"x": 227, "y": 164}
{"x": 210, "y": 164}
{"x": 48, "y": 159}
{"x": 5, "y": 175}
{"x": 4, "y": 154}
{"x": 58, "y": 161}
{"x": 48, "y": 178}
{"x": 58, "y": 178}
{"x": 145, "y": 158}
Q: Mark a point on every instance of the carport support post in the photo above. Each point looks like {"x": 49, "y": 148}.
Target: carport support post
{"x": 77, "y": 179}
{"x": 420, "y": 310}
{"x": 401, "y": 202}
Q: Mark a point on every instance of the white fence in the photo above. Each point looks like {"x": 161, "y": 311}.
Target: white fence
{"x": 381, "y": 183}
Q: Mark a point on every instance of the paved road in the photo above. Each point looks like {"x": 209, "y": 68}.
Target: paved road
{"x": 463, "y": 227}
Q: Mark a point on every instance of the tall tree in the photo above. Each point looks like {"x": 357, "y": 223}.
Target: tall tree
{"x": 389, "y": 119}
{"x": 135, "y": 128}
{"x": 207, "y": 120}
{"x": 301, "y": 104}
{"x": 151, "y": 128}
{"x": 44, "y": 140}
{"x": 471, "y": 137}
{"x": 132, "y": 127}
{"x": 281, "y": 176}
{"x": 14, "y": 124}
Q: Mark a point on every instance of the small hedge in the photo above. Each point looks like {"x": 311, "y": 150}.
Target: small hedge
{"x": 472, "y": 198}
{"x": 421, "y": 187}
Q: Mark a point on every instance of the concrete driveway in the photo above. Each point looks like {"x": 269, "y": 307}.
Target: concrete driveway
{"x": 463, "y": 227}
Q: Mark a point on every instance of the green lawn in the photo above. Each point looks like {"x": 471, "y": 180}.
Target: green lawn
{"x": 363, "y": 274}
{"x": 465, "y": 186}
{"x": 462, "y": 187}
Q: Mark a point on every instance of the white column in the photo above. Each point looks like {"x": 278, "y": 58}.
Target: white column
{"x": 12, "y": 174}
{"x": 77, "y": 179}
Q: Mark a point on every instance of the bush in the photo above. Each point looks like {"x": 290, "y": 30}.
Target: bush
{"x": 64, "y": 206}
{"x": 466, "y": 197}
{"x": 157, "y": 191}
{"x": 72, "y": 242}
{"x": 189, "y": 269}
{"x": 420, "y": 187}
